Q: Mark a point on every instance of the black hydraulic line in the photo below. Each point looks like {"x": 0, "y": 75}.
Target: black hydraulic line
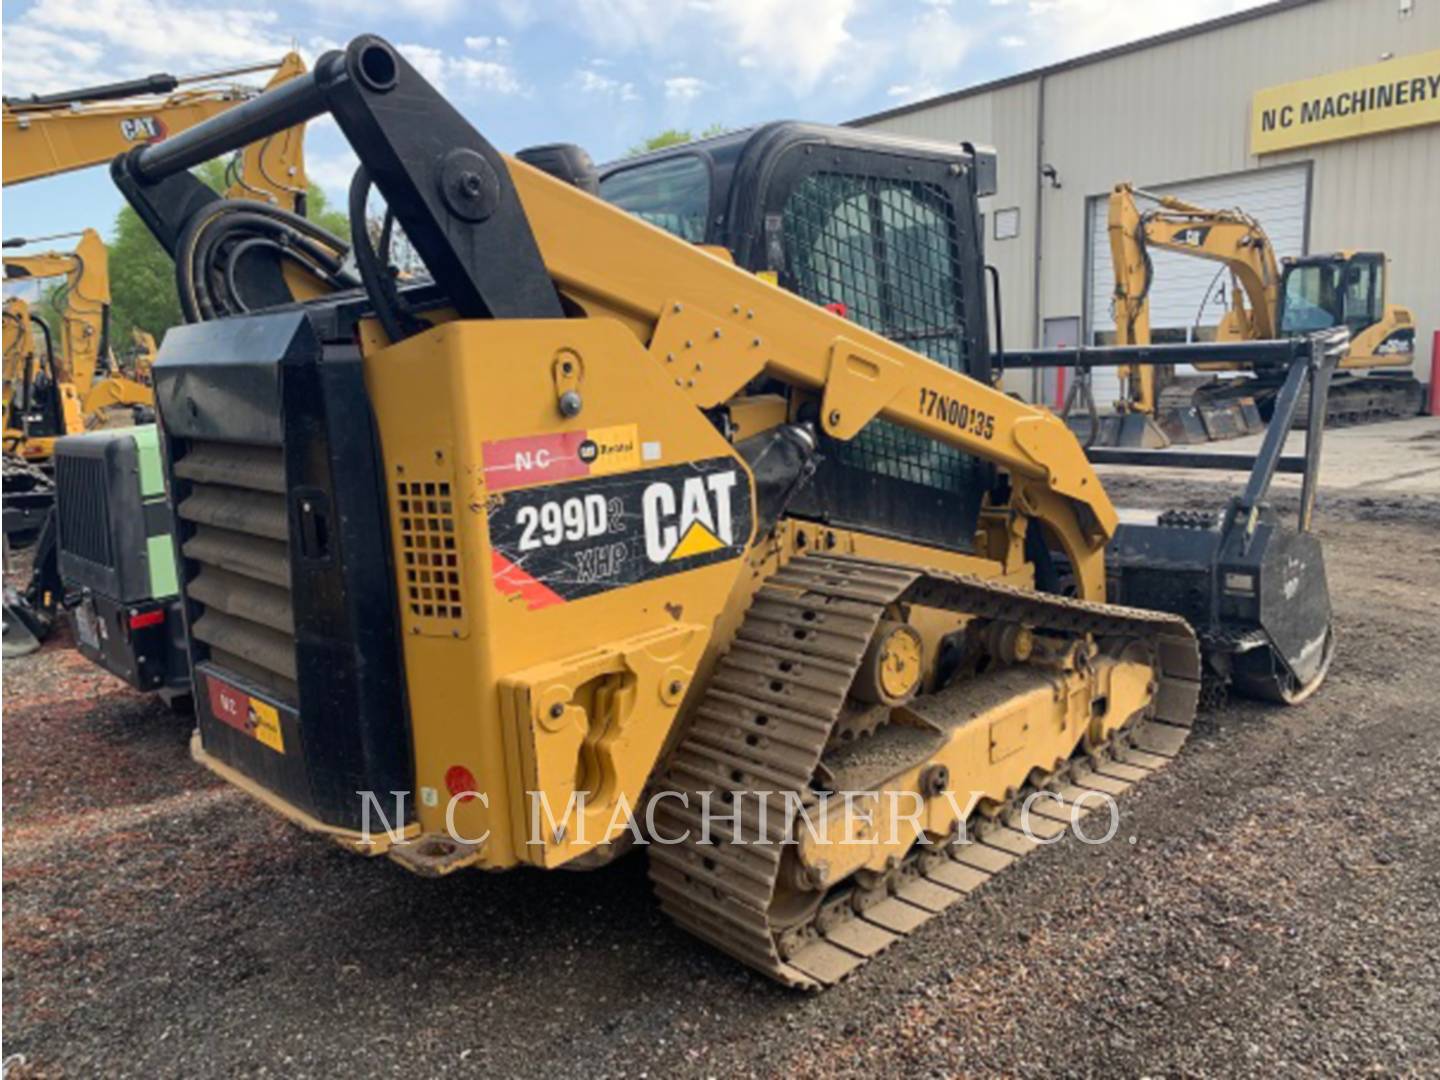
{"x": 150, "y": 84}
{"x": 396, "y": 319}
{"x": 1278, "y": 354}
{"x": 994, "y": 272}
{"x": 1323, "y": 364}
{"x": 202, "y": 251}
{"x": 1190, "y": 459}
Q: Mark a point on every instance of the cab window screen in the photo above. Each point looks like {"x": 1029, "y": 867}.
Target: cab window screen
{"x": 673, "y": 193}
{"x": 887, "y": 250}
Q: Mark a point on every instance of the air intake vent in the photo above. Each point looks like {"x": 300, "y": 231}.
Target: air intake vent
{"x": 236, "y": 546}
{"x": 434, "y": 592}
{"x": 84, "y": 509}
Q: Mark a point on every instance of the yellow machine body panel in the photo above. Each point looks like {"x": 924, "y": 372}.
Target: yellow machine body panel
{"x": 501, "y": 653}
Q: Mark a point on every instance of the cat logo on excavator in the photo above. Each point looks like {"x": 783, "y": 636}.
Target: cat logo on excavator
{"x": 142, "y": 129}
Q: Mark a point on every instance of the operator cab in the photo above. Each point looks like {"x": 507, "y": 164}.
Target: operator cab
{"x": 881, "y": 230}
{"x": 1319, "y": 292}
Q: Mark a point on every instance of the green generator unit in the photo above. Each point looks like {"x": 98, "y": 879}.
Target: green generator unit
{"x": 117, "y": 556}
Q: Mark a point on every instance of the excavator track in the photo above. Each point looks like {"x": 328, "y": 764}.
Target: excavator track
{"x": 763, "y": 727}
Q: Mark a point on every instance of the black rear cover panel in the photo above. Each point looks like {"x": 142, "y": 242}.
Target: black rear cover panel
{"x": 269, "y": 380}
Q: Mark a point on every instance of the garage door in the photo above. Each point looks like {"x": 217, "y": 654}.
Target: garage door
{"x": 1185, "y": 291}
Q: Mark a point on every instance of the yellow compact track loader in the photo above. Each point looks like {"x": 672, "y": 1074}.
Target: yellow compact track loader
{"x": 604, "y": 519}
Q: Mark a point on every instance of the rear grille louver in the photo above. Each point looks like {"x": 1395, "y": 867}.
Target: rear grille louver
{"x": 83, "y": 509}
{"x": 236, "y": 547}
{"x": 433, "y": 588}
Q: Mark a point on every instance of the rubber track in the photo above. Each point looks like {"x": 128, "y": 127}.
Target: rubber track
{"x": 763, "y": 724}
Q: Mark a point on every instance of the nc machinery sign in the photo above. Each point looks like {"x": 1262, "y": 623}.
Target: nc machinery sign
{"x": 1398, "y": 93}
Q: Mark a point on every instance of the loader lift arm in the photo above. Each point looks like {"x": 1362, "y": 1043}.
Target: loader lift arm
{"x": 461, "y": 202}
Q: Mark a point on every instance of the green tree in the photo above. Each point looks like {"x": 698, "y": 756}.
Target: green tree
{"x": 319, "y": 210}
{"x": 142, "y": 275}
{"x": 673, "y": 137}
{"x": 48, "y": 308}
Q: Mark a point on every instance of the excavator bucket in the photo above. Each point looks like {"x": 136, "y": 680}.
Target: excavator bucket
{"x": 23, "y": 630}
{"x": 1134, "y": 431}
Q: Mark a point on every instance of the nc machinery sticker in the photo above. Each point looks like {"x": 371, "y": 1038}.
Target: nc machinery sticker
{"x": 571, "y": 540}
{"x": 256, "y": 718}
{"x": 537, "y": 459}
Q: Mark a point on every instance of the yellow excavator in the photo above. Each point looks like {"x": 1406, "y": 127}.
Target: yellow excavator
{"x": 52, "y": 387}
{"x": 75, "y": 380}
{"x": 589, "y": 535}
{"x": 67, "y": 379}
{"x": 1268, "y": 299}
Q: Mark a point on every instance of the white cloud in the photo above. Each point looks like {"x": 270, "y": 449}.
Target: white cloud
{"x": 1075, "y": 27}
{"x": 428, "y": 61}
{"x": 488, "y": 75}
{"x": 592, "y": 82}
{"x": 482, "y": 42}
{"x": 61, "y": 44}
{"x": 445, "y": 72}
{"x": 427, "y": 11}
{"x": 794, "y": 42}
{"x": 929, "y": 50}
{"x": 905, "y": 93}
{"x": 684, "y": 88}
{"x": 332, "y": 171}
{"x": 1012, "y": 41}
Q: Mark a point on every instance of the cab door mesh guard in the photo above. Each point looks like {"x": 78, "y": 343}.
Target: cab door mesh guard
{"x": 887, "y": 250}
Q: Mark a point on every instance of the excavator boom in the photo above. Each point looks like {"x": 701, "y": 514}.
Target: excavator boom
{"x": 59, "y": 133}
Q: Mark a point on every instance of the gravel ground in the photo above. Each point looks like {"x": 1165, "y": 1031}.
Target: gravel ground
{"x": 1275, "y": 910}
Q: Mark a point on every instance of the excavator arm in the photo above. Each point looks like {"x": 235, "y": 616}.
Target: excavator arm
{"x": 1229, "y": 237}
{"x": 59, "y": 133}
{"x": 85, "y": 311}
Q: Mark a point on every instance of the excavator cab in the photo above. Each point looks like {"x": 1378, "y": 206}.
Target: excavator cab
{"x": 1347, "y": 289}
{"x": 1324, "y": 291}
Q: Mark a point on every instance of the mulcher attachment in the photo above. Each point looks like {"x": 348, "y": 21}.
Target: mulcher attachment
{"x": 1253, "y": 587}
{"x": 1255, "y": 592}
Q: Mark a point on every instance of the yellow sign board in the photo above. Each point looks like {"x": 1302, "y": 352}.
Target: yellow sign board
{"x": 1399, "y": 93}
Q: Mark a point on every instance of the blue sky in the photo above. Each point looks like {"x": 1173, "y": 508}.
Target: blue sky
{"x": 601, "y": 73}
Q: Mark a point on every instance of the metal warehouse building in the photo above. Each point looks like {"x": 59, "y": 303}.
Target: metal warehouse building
{"x": 1319, "y": 117}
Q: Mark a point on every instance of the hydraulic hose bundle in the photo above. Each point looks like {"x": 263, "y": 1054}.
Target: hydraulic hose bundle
{"x": 225, "y": 241}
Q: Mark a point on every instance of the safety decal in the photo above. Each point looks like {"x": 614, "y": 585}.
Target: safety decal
{"x": 256, "y": 718}
{"x": 544, "y": 459}
{"x": 1400, "y": 343}
{"x": 567, "y": 541}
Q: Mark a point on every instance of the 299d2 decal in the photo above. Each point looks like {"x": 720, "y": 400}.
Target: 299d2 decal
{"x": 563, "y": 542}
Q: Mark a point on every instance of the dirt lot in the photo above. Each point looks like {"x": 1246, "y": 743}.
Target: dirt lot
{"x": 1275, "y": 912}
